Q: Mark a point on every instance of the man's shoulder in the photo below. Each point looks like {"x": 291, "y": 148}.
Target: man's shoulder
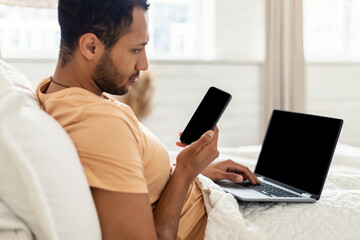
{"x": 113, "y": 122}
{"x": 108, "y": 111}
{"x": 108, "y": 108}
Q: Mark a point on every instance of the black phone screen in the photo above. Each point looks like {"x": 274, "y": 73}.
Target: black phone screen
{"x": 206, "y": 115}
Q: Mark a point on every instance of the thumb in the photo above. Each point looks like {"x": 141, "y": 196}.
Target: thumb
{"x": 203, "y": 140}
{"x": 233, "y": 177}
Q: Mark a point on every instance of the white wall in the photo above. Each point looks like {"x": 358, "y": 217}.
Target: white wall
{"x": 180, "y": 87}
{"x": 334, "y": 90}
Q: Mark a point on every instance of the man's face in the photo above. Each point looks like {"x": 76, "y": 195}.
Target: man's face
{"x": 119, "y": 68}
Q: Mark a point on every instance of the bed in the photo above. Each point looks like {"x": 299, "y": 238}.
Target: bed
{"x": 335, "y": 216}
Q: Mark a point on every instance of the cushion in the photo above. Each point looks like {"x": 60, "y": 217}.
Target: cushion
{"x": 45, "y": 184}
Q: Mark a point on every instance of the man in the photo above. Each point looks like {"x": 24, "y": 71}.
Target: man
{"x": 103, "y": 50}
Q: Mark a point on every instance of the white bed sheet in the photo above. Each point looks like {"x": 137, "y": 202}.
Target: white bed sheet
{"x": 335, "y": 216}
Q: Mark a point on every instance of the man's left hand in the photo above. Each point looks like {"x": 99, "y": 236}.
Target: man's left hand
{"x": 231, "y": 171}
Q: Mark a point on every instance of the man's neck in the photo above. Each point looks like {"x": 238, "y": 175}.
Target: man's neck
{"x": 73, "y": 74}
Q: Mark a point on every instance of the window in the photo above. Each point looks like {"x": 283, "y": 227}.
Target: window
{"x": 332, "y": 30}
{"x": 176, "y": 28}
{"x": 29, "y": 32}
{"x": 179, "y": 29}
{"x": 207, "y": 30}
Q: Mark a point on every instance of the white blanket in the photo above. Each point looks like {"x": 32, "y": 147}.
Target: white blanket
{"x": 335, "y": 216}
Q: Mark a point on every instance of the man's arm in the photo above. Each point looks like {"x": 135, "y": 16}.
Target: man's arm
{"x": 124, "y": 215}
{"x": 129, "y": 215}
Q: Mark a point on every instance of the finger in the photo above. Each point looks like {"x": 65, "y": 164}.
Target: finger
{"x": 216, "y": 134}
{"x": 180, "y": 133}
{"x": 233, "y": 177}
{"x": 213, "y": 143}
{"x": 248, "y": 174}
{"x": 180, "y": 144}
{"x": 204, "y": 140}
{"x": 253, "y": 180}
{"x": 257, "y": 180}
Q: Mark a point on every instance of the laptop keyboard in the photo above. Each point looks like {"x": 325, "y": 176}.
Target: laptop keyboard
{"x": 269, "y": 190}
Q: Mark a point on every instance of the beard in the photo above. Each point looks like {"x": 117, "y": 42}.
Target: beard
{"x": 108, "y": 78}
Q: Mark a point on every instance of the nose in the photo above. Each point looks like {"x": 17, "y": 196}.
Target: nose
{"x": 142, "y": 63}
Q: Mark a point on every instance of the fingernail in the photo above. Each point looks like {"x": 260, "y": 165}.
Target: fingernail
{"x": 210, "y": 134}
{"x": 239, "y": 179}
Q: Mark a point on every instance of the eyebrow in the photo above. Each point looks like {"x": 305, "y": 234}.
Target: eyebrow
{"x": 142, "y": 44}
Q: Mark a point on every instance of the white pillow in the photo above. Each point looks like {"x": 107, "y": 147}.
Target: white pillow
{"x": 45, "y": 183}
{"x": 12, "y": 227}
{"x": 11, "y": 80}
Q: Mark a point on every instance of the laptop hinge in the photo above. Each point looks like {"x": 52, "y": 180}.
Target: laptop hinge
{"x": 306, "y": 195}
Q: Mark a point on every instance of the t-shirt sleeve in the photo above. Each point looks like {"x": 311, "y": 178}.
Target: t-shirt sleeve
{"x": 110, "y": 149}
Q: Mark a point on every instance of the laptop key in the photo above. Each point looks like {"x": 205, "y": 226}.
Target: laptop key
{"x": 269, "y": 190}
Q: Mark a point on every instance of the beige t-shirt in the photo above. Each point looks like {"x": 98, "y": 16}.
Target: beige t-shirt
{"x": 117, "y": 152}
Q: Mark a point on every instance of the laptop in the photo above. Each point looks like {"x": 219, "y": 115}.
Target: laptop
{"x": 294, "y": 159}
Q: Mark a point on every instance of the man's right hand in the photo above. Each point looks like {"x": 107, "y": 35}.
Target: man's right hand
{"x": 194, "y": 158}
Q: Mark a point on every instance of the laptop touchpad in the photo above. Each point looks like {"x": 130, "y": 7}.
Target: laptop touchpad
{"x": 239, "y": 190}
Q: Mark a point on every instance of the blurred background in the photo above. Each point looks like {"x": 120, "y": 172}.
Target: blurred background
{"x": 301, "y": 55}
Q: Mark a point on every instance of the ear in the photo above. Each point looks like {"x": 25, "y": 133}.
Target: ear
{"x": 90, "y": 46}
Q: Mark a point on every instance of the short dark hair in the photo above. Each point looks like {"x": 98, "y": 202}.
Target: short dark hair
{"x": 107, "y": 19}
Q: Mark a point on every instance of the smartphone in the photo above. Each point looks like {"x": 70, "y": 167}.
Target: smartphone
{"x": 206, "y": 115}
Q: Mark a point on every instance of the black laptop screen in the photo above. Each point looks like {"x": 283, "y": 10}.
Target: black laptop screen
{"x": 298, "y": 148}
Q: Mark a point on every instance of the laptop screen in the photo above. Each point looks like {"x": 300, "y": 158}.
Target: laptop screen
{"x": 298, "y": 148}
